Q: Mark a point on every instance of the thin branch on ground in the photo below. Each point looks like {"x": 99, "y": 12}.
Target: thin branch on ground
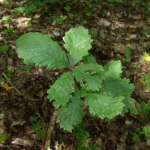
{"x": 11, "y": 83}
{"x": 47, "y": 138}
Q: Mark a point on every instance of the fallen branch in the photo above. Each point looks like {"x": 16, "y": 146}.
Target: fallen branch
{"x": 48, "y": 133}
{"x": 10, "y": 83}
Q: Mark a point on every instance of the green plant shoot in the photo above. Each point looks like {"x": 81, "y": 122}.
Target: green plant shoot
{"x": 102, "y": 88}
{"x": 3, "y": 137}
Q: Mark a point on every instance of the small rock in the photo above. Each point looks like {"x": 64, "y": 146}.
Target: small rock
{"x": 108, "y": 14}
{"x": 53, "y": 23}
{"x": 111, "y": 54}
{"x": 124, "y": 137}
{"x": 37, "y": 16}
{"x": 148, "y": 142}
{"x": 56, "y": 33}
{"x": 56, "y": 73}
{"x": 132, "y": 36}
{"x": 10, "y": 61}
{"x": 119, "y": 15}
{"x": 118, "y": 56}
{"x": 1, "y": 116}
{"x": 102, "y": 34}
{"x": 25, "y": 142}
{"x": 134, "y": 65}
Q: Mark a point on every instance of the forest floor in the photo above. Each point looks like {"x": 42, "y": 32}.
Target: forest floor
{"x": 113, "y": 27}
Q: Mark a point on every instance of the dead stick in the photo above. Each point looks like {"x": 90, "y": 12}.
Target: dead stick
{"x": 48, "y": 133}
{"x": 11, "y": 83}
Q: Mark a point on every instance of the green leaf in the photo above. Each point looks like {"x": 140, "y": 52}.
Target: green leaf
{"x": 92, "y": 146}
{"x": 77, "y": 43}
{"x": 10, "y": 30}
{"x": 71, "y": 114}
{"x": 84, "y": 92}
{"x": 33, "y": 119}
{"x": 8, "y": 71}
{"x": 70, "y": 16}
{"x": 3, "y": 137}
{"x": 41, "y": 50}
{"x": 113, "y": 69}
{"x": 104, "y": 105}
{"x": 40, "y": 133}
{"x": 137, "y": 130}
{"x": 84, "y": 21}
{"x": 146, "y": 27}
{"x": 82, "y": 135}
{"x": 29, "y": 9}
{"x": 121, "y": 87}
{"x": 144, "y": 109}
{"x": 129, "y": 102}
{"x": 38, "y": 125}
{"x": 61, "y": 90}
{"x": 146, "y": 131}
{"x": 119, "y": 1}
{"x": 6, "y": 19}
{"x": 95, "y": 33}
{"x": 57, "y": 19}
{"x": 27, "y": 68}
{"x": 111, "y": 1}
{"x": 38, "y": 3}
{"x": 135, "y": 137}
{"x": 88, "y": 59}
{"x": 4, "y": 48}
{"x": 6, "y": 2}
{"x": 67, "y": 8}
{"x": 131, "y": 47}
{"x": 19, "y": 10}
{"x": 52, "y": 1}
{"x": 2, "y": 79}
{"x": 92, "y": 74}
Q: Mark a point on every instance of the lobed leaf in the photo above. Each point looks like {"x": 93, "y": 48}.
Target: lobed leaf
{"x": 88, "y": 59}
{"x": 113, "y": 69}
{"x": 38, "y": 3}
{"x": 52, "y": 1}
{"x": 5, "y": 18}
{"x": 92, "y": 74}
{"x": 121, "y": 87}
{"x": 19, "y": 10}
{"x": 77, "y": 43}
{"x": 71, "y": 114}
{"x": 41, "y": 50}
{"x": 61, "y": 90}
{"x": 4, "y": 48}
{"x": 29, "y": 9}
{"x": 104, "y": 105}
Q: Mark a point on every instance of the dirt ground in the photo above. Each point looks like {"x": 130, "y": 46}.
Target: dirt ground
{"x": 117, "y": 26}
